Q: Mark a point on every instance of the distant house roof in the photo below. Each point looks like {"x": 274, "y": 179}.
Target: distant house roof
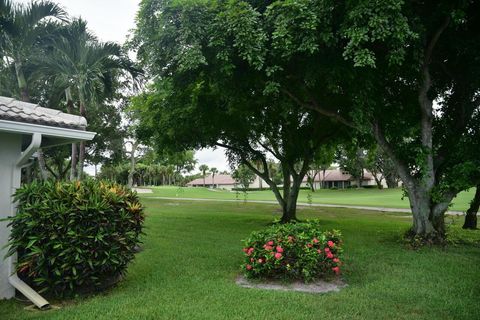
{"x": 19, "y": 111}
{"x": 220, "y": 179}
{"x": 338, "y": 175}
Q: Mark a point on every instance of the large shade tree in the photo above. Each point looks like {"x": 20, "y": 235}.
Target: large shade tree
{"x": 418, "y": 95}
{"x": 206, "y": 94}
{"x": 404, "y": 72}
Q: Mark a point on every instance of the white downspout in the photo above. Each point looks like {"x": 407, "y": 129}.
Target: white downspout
{"x": 14, "y": 280}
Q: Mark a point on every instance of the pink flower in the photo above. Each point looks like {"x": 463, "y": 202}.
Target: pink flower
{"x": 260, "y": 260}
{"x": 315, "y": 240}
{"x": 331, "y": 244}
{"x": 279, "y": 249}
{"x": 327, "y": 249}
{"x": 329, "y": 255}
{"x": 319, "y": 251}
{"x": 270, "y": 243}
{"x": 336, "y": 260}
{"x": 245, "y": 250}
{"x": 268, "y": 248}
{"x": 251, "y": 259}
{"x": 309, "y": 245}
{"x": 249, "y": 252}
{"x": 336, "y": 270}
{"x": 278, "y": 255}
{"x": 249, "y": 267}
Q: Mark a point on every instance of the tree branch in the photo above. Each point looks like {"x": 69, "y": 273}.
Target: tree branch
{"x": 316, "y": 107}
{"x": 426, "y": 105}
{"x": 264, "y": 175}
{"x": 387, "y": 148}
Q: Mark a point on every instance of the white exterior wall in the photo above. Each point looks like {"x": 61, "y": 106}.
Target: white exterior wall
{"x": 10, "y": 149}
{"x": 259, "y": 183}
{"x": 225, "y": 186}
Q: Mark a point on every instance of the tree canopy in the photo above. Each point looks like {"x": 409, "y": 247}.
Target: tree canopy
{"x": 205, "y": 95}
{"x": 404, "y": 72}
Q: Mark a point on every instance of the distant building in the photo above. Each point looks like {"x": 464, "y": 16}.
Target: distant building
{"x": 336, "y": 178}
{"x": 224, "y": 181}
{"x": 333, "y": 178}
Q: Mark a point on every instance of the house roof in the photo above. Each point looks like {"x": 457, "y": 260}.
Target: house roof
{"x": 19, "y": 111}
{"x": 338, "y": 175}
{"x": 54, "y": 126}
{"x": 220, "y": 179}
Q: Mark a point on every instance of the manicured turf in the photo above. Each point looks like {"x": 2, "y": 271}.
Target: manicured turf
{"x": 192, "y": 253}
{"x": 390, "y": 198}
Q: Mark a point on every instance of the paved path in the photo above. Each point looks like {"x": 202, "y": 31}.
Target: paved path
{"x": 142, "y": 190}
{"x": 304, "y": 204}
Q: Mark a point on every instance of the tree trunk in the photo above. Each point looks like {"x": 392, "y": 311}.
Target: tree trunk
{"x": 81, "y": 160}
{"x": 73, "y": 164}
{"x": 428, "y": 218}
{"x": 290, "y": 196}
{"x": 22, "y": 82}
{"x": 471, "y": 216}
{"x": 391, "y": 181}
{"x": 378, "y": 181}
{"x": 81, "y": 154}
{"x": 24, "y": 95}
{"x": 131, "y": 172}
{"x": 311, "y": 180}
{"x": 290, "y": 207}
{"x": 74, "y": 155}
{"x": 42, "y": 165}
{"x": 323, "y": 179}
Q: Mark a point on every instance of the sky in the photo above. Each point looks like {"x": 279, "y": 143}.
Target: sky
{"x": 111, "y": 20}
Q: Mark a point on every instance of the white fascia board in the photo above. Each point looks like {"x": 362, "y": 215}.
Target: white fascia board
{"x": 47, "y": 131}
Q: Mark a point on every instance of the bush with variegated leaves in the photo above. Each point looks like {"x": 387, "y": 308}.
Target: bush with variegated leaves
{"x": 74, "y": 235}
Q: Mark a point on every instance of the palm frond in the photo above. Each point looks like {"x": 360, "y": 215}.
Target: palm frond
{"x": 36, "y": 11}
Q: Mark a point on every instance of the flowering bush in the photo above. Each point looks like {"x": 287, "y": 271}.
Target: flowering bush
{"x": 293, "y": 251}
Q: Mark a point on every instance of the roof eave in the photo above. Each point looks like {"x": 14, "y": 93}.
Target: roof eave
{"x": 59, "y": 135}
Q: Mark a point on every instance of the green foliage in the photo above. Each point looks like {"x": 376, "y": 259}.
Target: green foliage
{"x": 293, "y": 251}
{"x": 371, "y": 22}
{"x": 243, "y": 176}
{"x": 71, "y": 235}
{"x": 215, "y": 83}
{"x": 352, "y": 159}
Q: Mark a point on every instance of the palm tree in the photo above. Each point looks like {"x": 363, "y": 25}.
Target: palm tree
{"x": 170, "y": 171}
{"x": 22, "y": 31}
{"x": 213, "y": 171}
{"x": 81, "y": 63}
{"x": 203, "y": 168}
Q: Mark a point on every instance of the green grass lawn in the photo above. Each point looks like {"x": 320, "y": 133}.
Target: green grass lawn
{"x": 192, "y": 253}
{"x": 390, "y": 198}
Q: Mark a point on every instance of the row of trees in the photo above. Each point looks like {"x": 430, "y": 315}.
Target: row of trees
{"x": 149, "y": 167}
{"x": 285, "y": 79}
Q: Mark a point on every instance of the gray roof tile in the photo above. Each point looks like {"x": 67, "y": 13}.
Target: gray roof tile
{"x": 14, "y": 110}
